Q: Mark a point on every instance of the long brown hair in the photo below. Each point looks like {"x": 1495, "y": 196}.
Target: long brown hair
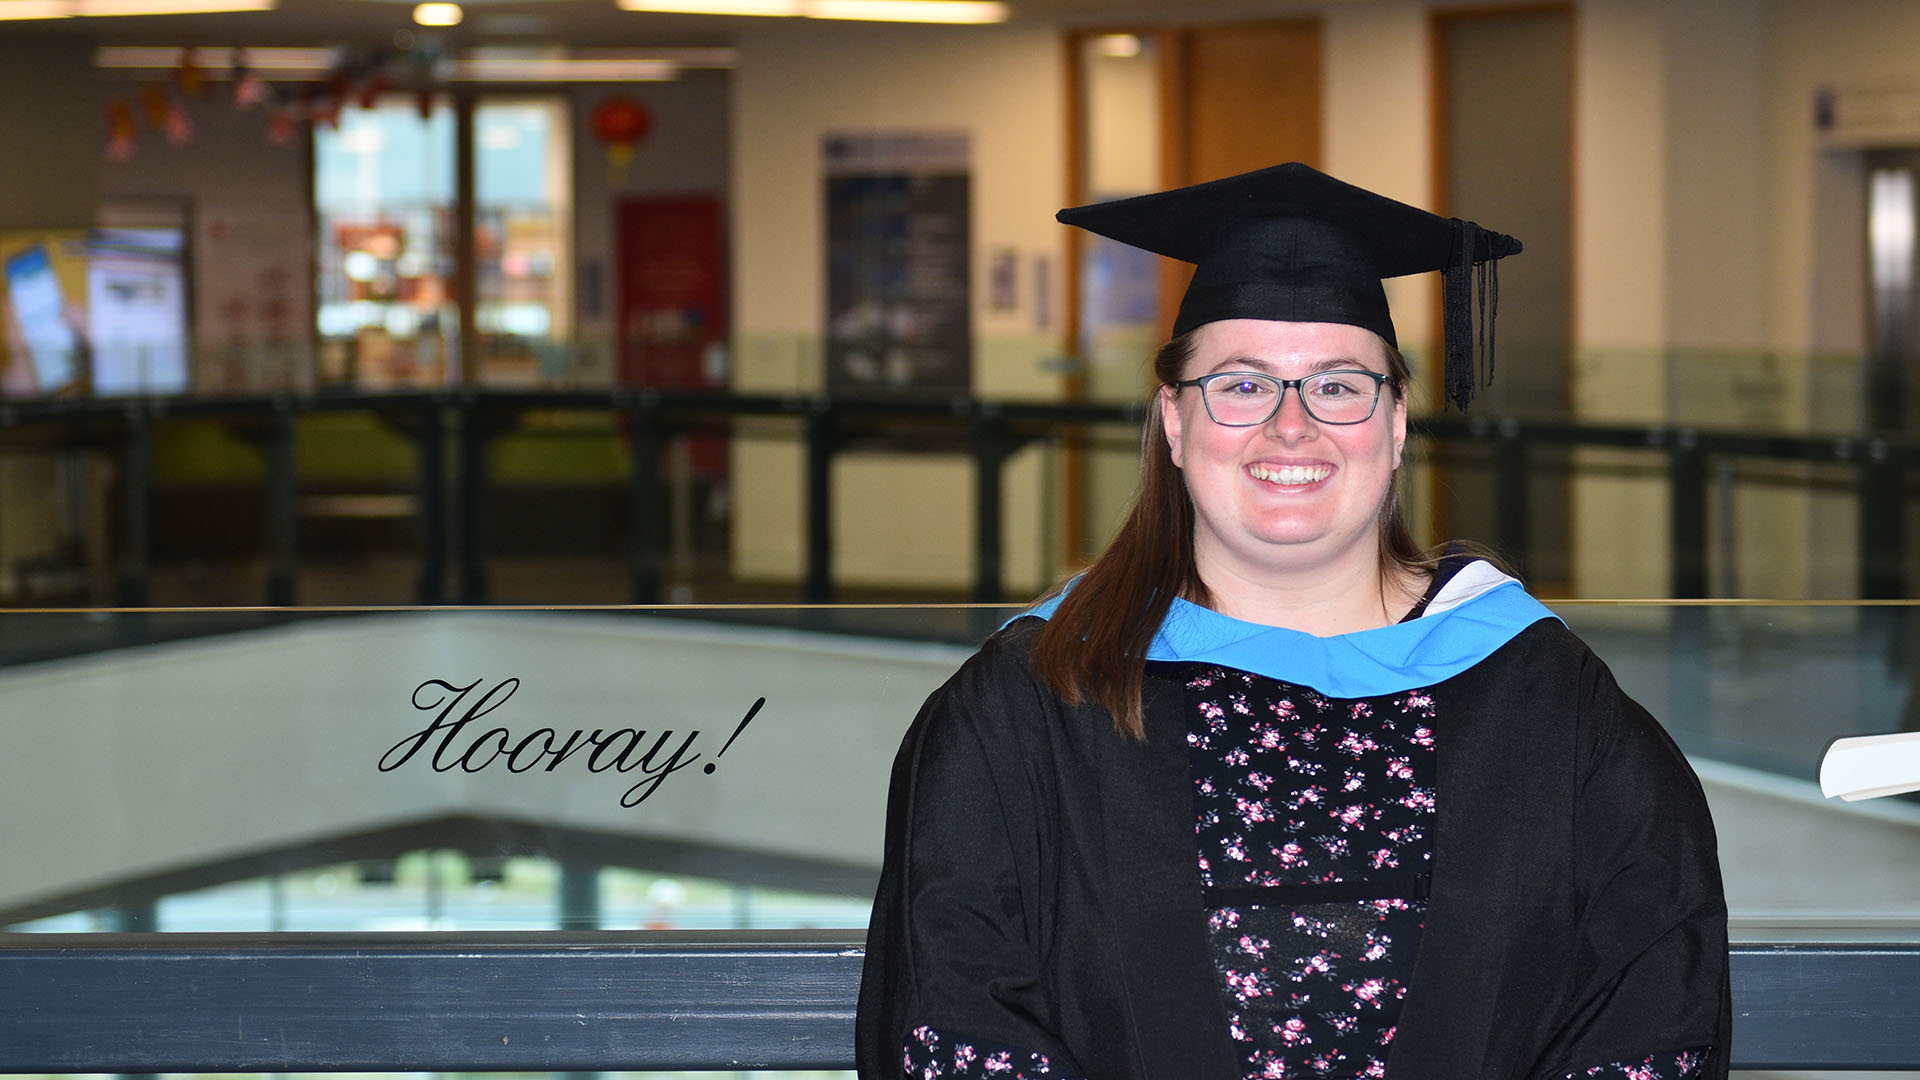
{"x": 1095, "y": 643}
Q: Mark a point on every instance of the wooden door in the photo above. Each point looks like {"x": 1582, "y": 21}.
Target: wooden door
{"x": 1237, "y": 97}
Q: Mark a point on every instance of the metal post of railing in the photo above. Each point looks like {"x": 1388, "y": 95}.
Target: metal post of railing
{"x": 1883, "y": 522}
{"x": 472, "y": 485}
{"x": 1725, "y": 485}
{"x": 1687, "y": 515}
{"x": 283, "y": 558}
{"x": 989, "y": 461}
{"x": 579, "y": 895}
{"x": 136, "y": 505}
{"x": 431, "y": 505}
{"x": 647, "y": 534}
{"x": 820, "y": 440}
{"x": 1512, "y": 505}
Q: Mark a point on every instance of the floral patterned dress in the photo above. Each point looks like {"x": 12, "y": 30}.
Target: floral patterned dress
{"x": 1314, "y": 825}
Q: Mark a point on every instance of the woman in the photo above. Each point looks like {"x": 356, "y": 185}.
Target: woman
{"x": 1266, "y": 792}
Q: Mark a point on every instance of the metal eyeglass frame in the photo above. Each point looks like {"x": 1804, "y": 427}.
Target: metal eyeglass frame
{"x": 1299, "y": 385}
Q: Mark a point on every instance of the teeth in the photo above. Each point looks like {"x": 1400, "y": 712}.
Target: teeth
{"x": 1291, "y": 474}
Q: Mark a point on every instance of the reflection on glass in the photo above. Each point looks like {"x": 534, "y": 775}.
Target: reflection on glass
{"x": 448, "y": 890}
{"x": 522, "y": 186}
{"x": 383, "y": 196}
{"x": 372, "y": 771}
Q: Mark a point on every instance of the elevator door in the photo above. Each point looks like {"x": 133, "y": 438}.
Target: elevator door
{"x": 1890, "y": 402}
{"x": 1893, "y": 355}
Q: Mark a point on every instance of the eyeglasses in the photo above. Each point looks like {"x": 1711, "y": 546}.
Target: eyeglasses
{"x": 1247, "y": 398}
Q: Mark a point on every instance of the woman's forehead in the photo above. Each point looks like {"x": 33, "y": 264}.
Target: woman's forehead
{"x": 1287, "y": 348}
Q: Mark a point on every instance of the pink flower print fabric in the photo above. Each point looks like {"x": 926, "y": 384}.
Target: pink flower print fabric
{"x": 1292, "y": 789}
{"x": 1671, "y": 1066}
{"x": 934, "y": 1055}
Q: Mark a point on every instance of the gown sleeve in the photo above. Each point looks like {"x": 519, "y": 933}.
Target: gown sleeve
{"x": 1649, "y": 994}
{"x": 954, "y": 983}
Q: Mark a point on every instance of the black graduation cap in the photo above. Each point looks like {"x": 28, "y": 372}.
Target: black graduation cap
{"x": 1292, "y": 243}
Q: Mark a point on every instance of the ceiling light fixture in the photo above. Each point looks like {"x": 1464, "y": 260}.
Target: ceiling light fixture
{"x": 475, "y": 65}
{"x": 438, "y": 14}
{"x": 537, "y": 69}
{"x": 925, "y": 11}
{"x": 272, "y": 61}
{"x": 168, "y": 7}
{"x": 36, "y": 9}
{"x": 715, "y": 7}
{"x": 68, "y": 9}
{"x": 917, "y": 11}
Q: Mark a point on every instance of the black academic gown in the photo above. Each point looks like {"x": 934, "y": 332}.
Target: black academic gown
{"x": 1040, "y": 888}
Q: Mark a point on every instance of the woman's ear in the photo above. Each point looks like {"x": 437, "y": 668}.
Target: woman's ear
{"x": 1399, "y": 428}
{"x": 1169, "y": 405}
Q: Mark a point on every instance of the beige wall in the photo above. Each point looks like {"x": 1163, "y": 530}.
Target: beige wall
{"x": 1619, "y": 520}
{"x": 898, "y": 520}
{"x": 1376, "y": 132}
{"x": 51, "y": 125}
{"x": 797, "y": 84}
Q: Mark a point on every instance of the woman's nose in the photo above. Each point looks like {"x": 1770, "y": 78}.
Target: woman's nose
{"x": 1291, "y": 420}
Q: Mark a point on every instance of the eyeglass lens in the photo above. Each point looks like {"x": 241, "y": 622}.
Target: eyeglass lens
{"x": 1334, "y": 397}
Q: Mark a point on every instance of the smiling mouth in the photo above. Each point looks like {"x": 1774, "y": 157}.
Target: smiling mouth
{"x": 1290, "y": 475}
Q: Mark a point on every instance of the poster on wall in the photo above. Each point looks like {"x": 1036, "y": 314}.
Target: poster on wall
{"x": 898, "y": 275}
{"x": 43, "y": 313}
{"x": 94, "y": 311}
{"x": 137, "y": 310}
{"x": 253, "y": 309}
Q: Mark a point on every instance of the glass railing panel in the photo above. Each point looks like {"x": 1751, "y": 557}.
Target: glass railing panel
{"x": 1755, "y": 693}
{"x": 495, "y": 769}
{"x": 528, "y": 769}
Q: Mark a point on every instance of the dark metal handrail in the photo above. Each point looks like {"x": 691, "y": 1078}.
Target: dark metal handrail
{"x": 992, "y": 430}
{"x": 602, "y": 1001}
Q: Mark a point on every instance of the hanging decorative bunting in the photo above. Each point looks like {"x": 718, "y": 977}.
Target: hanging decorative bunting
{"x": 178, "y": 126}
{"x": 358, "y": 78}
{"x": 372, "y": 87}
{"x": 281, "y": 123}
{"x": 189, "y": 76}
{"x": 155, "y": 104}
{"x": 248, "y": 90}
{"x": 120, "y": 129}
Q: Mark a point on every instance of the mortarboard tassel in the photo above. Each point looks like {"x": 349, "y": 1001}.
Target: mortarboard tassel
{"x": 1456, "y": 305}
{"x": 1468, "y": 290}
{"x": 1491, "y": 313}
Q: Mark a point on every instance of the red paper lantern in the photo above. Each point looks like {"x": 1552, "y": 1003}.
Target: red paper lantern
{"x": 621, "y": 123}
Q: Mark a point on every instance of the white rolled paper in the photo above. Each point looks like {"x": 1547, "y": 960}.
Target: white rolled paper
{"x": 1869, "y": 766}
